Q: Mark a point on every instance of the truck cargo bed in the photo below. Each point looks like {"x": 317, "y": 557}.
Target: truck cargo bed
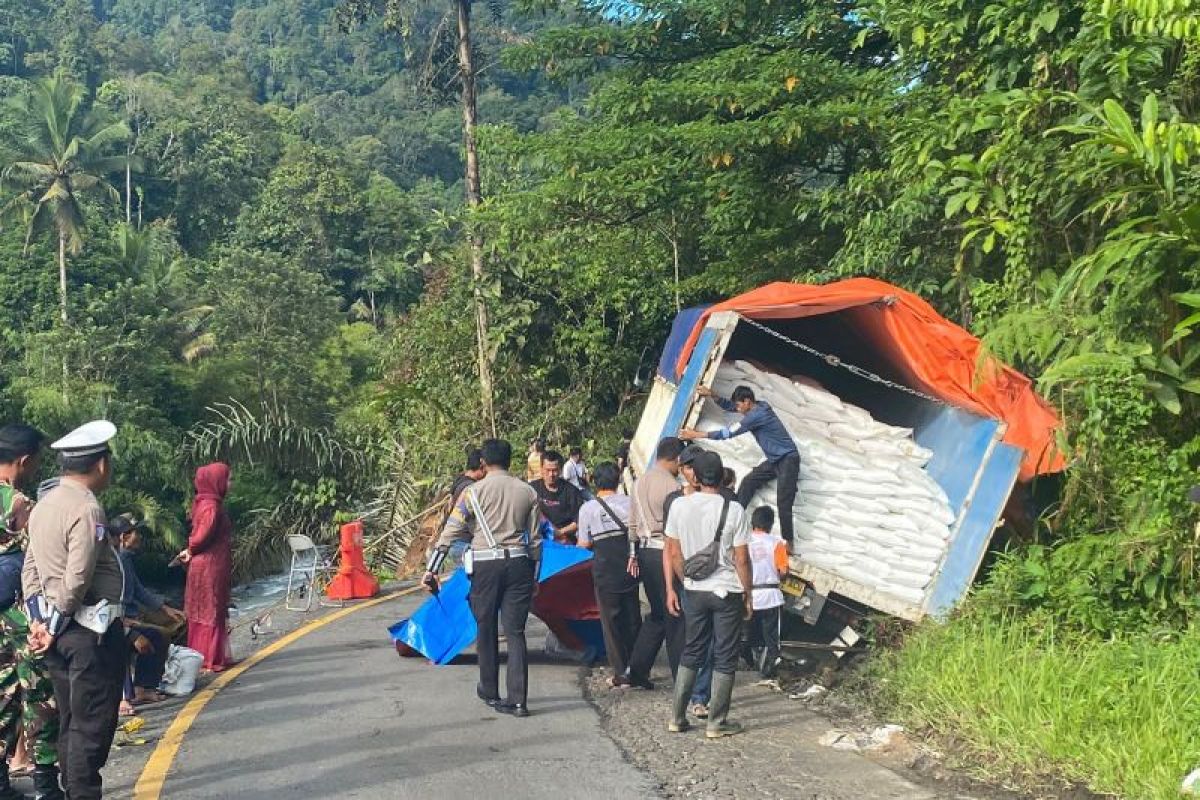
{"x": 972, "y": 465}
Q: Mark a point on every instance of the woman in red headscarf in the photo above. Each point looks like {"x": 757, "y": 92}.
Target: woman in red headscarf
{"x": 209, "y": 556}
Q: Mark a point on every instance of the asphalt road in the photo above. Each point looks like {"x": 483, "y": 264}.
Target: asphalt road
{"x": 338, "y": 714}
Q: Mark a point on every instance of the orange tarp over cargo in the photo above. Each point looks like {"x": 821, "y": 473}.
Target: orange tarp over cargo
{"x": 932, "y": 353}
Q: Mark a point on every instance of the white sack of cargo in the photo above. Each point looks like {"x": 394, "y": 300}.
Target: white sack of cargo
{"x": 865, "y": 510}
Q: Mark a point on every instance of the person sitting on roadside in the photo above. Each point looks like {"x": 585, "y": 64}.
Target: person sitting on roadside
{"x": 149, "y": 642}
{"x": 715, "y": 602}
{"x": 558, "y": 500}
{"x": 769, "y": 565}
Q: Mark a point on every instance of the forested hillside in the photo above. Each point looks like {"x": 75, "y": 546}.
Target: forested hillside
{"x": 281, "y": 274}
{"x": 294, "y": 188}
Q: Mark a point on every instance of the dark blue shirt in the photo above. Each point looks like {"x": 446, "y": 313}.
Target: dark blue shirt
{"x": 772, "y": 437}
{"x": 137, "y": 598}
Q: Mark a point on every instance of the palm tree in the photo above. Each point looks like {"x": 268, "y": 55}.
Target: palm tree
{"x": 58, "y": 153}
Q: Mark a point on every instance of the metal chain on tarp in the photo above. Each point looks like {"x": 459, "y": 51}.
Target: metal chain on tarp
{"x": 835, "y": 361}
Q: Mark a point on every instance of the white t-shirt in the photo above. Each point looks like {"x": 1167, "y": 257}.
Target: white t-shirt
{"x": 575, "y": 473}
{"x": 764, "y": 554}
{"x": 693, "y": 521}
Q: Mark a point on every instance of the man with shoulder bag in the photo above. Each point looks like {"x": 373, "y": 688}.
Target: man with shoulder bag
{"x": 604, "y": 529}
{"x": 707, "y": 547}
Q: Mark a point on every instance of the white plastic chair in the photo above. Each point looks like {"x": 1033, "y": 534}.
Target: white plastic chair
{"x": 311, "y": 570}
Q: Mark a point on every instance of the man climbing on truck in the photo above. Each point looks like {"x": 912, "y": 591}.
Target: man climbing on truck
{"x": 783, "y": 459}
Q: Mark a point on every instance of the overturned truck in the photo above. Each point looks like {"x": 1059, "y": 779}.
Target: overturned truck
{"x": 911, "y": 441}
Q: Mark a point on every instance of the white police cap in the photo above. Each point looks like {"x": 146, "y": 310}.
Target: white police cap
{"x": 86, "y": 440}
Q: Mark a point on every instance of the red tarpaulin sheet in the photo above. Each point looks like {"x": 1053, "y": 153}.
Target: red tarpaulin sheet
{"x": 935, "y": 355}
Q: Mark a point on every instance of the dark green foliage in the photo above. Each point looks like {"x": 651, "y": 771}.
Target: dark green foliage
{"x": 292, "y": 179}
{"x": 292, "y": 242}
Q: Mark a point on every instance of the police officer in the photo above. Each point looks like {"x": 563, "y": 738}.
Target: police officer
{"x": 73, "y": 585}
{"x": 498, "y": 515}
{"x": 26, "y": 692}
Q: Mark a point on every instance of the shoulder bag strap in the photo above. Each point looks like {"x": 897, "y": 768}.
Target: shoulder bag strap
{"x": 721, "y": 524}
{"x": 624, "y": 528}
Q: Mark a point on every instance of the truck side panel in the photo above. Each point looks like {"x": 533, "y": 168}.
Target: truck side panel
{"x": 961, "y": 442}
{"x": 645, "y": 440}
{"x": 975, "y": 530}
{"x": 701, "y": 368}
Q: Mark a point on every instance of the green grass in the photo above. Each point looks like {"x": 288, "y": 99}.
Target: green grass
{"x": 1121, "y": 716}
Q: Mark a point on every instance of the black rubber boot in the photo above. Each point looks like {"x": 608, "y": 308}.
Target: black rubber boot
{"x": 685, "y": 682}
{"x": 7, "y": 792}
{"x": 45, "y": 783}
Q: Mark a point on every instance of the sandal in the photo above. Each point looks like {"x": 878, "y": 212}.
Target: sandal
{"x": 126, "y": 709}
{"x": 149, "y": 700}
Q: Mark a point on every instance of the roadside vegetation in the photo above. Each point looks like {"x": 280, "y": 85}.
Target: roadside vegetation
{"x": 238, "y": 229}
{"x": 1027, "y": 701}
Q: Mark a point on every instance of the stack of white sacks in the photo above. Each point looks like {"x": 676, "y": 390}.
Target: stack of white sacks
{"x": 865, "y": 510}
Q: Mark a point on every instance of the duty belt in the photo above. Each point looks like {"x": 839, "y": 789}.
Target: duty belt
{"x": 499, "y": 553}
{"x": 600, "y": 537}
{"x": 652, "y": 544}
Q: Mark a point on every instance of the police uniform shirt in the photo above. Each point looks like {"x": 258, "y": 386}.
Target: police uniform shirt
{"x": 69, "y": 558}
{"x": 647, "y": 515}
{"x": 510, "y": 508}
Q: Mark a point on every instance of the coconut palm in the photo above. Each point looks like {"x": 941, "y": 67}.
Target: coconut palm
{"x": 57, "y": 153}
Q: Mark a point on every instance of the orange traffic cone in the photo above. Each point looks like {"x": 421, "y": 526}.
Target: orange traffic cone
{"x": 352, "y": 581}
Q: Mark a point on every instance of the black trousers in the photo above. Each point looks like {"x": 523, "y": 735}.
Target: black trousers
{"x": 148, "y": 670}
{"x": 658, "y": 626}
{"x": 503, "y": 587}
{"x": 787, "y": 470}
{"x": 620, "y": 619}
{"x": 87, "y": 671}
{"x": 763, "y": 641}
{"x": 717, "y": 620}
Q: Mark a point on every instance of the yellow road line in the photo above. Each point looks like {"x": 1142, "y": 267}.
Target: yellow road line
{"x": 154, "y": 774}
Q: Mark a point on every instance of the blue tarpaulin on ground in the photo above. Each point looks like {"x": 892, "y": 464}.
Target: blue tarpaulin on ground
{"x": 681, "y": 329}
{"x": 443, "y": 626}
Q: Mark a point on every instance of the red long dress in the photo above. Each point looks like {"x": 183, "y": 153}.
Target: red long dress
{"x": 206, "y": 602}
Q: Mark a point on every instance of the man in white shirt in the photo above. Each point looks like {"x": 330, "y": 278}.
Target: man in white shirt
{"x": 575, "y": 472}
{"x": 715, "y": 603}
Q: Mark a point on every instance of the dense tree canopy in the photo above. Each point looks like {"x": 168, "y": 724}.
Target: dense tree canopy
{"x": 288, "y": 243}
{"x": 250, "y": 197}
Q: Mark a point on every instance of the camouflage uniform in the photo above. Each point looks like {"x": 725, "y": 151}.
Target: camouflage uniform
{"x": 26, "y": 692}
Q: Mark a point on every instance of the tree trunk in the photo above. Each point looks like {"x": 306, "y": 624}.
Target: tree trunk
{"x": 62, "y": 301}
{"x": 128, "y": 186}
{"x": 474, "y": 198}
{"x": 62, "y": 276}
{"x": 675, "y": 259}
